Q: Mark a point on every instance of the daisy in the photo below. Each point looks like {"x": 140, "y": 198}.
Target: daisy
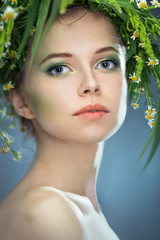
{"x": 5, "y": 149}
{"x": 141, "y": 45}
{"x": 8, "y": 86}
{"x": 155, "y": 3}
{"x": 151, "y": 124}
{"x": 151, "y": 111}
{"x": 142, "y": 4}
{"x": 137, "y": 58}
{"x": 1, "y": 27}
{"x": 8, "y": 138}
{"x": 135, "y": 35}
{"x": 152, "y": 62}
{"x": 10, "y": 13}
{"x": 135, "y": 105}
{"x": 134, "y": 78}
{"x": 18, "y": 156}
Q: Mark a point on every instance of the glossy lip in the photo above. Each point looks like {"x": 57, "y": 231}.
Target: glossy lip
{"x": 95, "y": 107}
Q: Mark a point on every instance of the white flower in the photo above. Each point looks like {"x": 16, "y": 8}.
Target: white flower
{"x": 1, "y": 27}
{"x": 151, "y": 111}
{"x": 5, "y": 149}
{"x": 10, "y": 13}
{"x": 135, "y": 105}
{"x": 8, "y": 86}
{"x": 152, "y": 62}
{"x": 135, "y": 35}
{"x": 155, "y": 3}
{"x": 134, "y": 78}
{"x": 141, "y": 45}
{"x": 17, "y": 156}
{"x": 151, "y": 124}
{"x": 6, "y": 137}
{"x": 142, "y": 4}
{"x": 7, "y": 44}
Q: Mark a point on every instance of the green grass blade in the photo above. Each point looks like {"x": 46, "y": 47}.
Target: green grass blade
{"x": 30, "y": 21}
{"x": 42, "y": 15}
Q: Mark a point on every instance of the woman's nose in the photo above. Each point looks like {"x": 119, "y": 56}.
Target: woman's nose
{"x": 89, "y": 85}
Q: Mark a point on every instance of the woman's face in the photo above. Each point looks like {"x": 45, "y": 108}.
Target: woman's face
{"x": 78, "y": 65}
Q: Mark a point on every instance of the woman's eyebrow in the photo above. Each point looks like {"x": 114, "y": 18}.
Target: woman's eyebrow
{"x": 105, "y": 49}
{"x": 55, "y": 55}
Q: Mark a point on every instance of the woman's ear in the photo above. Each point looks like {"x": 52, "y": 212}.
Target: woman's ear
{"x": 19, "y": 104}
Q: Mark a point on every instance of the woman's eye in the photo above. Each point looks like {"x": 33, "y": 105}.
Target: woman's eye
{"x": 58, "y": 70}
{"x": 106, "y": 65}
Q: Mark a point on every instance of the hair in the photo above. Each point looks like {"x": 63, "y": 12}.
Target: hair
{"x": 26, "y": 124}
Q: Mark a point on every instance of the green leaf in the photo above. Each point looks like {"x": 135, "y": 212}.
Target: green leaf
{"x": 29, "y": 23}
{"x": 42, "y": 15}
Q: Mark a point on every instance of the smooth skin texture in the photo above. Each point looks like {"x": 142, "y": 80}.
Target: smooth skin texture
{"x": 90, "y": 70}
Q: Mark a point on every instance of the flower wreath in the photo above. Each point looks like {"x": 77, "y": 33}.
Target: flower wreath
{"x": 135, "y": 24}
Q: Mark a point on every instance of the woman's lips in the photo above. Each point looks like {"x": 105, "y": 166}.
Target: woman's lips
{"x": 92, "y": 112}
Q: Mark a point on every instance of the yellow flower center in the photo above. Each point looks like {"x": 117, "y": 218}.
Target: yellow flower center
{"x": 153, "y": 123}
{"x": 3, "y": 18}
{"x": 4, "y": 150}
{"x": 0, "y": 111}
{"x": 14, "y": 54}
{"x": 1, "y": 29}
{"x": 135, "y": 105}
{"x": 153, "y": 62}
{"x": 10, "y": 15}
{"x": 137, "y": 58}
{"x": 141, "y": 44}
{"x": 8, "y": 86}
{"x": 149, "y": 116}
{"x": 136, "y": 34}
{"x": 155, "y": 3}
{"x": 143, "y": 5}
{"x": 134, "y": 78}
{"x": 14, "y": 1}
{"x": 150, "y": 111}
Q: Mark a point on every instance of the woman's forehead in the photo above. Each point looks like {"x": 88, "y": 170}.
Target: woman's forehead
{"x": 91, "y": 28}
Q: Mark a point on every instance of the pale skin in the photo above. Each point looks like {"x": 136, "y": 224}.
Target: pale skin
{"x": 66, "y": 145}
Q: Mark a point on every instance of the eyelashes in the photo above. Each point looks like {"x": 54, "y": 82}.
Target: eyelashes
{"x": 61, "y": 69}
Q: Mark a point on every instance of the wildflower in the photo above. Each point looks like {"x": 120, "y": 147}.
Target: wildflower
{"x": 14, "y": 54}
{"x": 7, "y": 44}
{"x": 151, "y": 124}
{"x": 6, "y": 137}
{"x": 155, "y": 3}
{"x": 134, "y": 78}
{"x": 135, "y": 105}
{"x": 5, "y": 149}
{"x": 8, "y": 86}
{"x": 12, "y": 66}
{"x": 10, "y": 13}
{"x": 137, "y": 58}
{"x": 135, "y": 35}
{"x": 18, "y": 156}
{"x": 3, "y": 112}
{"x": 142, "y": 90}
{"x": 20, "y": 8}
{"x": 3, "y": 18}
{"x": 142, "y": 4}
{"x": 141, "y": 45}
{"x": 149, "y": 117}
{"x": 13, "y": 1}
{"x": 151, "y": 111}
{"x": 33, "y": 30}
{"x": 152, "y": 62}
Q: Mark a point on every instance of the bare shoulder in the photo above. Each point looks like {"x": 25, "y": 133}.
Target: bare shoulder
{"x": 42, "y": 214}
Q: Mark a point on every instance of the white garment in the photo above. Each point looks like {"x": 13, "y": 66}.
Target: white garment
{"x": 94, "y": 224}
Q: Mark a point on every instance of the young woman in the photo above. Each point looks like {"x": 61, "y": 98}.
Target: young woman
{"x": 74, "y": 95}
